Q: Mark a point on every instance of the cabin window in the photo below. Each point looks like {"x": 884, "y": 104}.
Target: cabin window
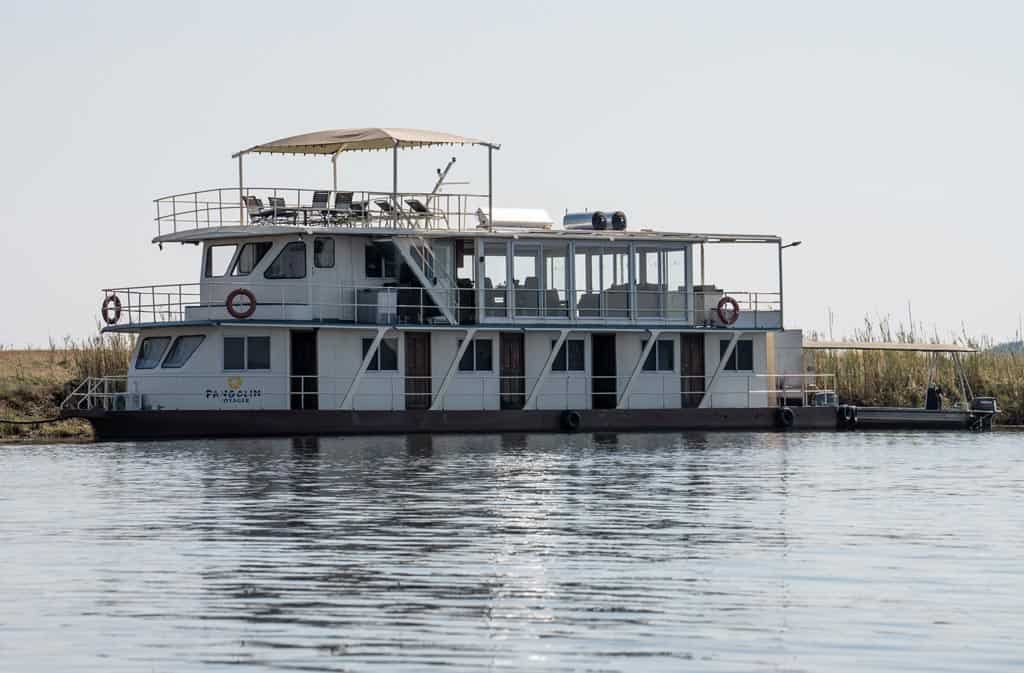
{"x": 182, "y": 350}
{"x": 323, "y": 253}
{"x": 250, "y": 256}
{"x": 379, "y": 262}
{"x": 556, "y": 279}
{"x": 569, "y": 357}
{"x": 218, "y": 257}
{"x": 290, "y": 262}
{"x": 495, "y": 278}
{"x": 650, "y": 283}
{"x": 150, "y": 352}
{"x": 662, "y": 356}
{"x": 246, "y": 353}
{"x": 385, "y": 358}
{"x": 478, "y": 356}
{"x": 742, "y": 358}
{"x": 527, "y": 279}
{"x": 602, "y": 282}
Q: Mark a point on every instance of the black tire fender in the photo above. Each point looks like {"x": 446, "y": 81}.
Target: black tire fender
{"x": 571, "y": 420}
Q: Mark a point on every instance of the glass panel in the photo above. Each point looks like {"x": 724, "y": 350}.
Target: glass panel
{"x": 588, "y": 282}
{"x": 526, "y": 277}
{"x": 250, "y": 256}
{"x": 556, "y": 279}
{"x": 650, "y": 288}
{"x": 259, "y": 351}
{"x": 466, "y": 361}
{"x": 373, "y": 262}
{"x": 375, "y": 360}
{"x": 745, "y": 355}
{"x": 495, "y": 279}
{"x": 150, "y": 352}
{"x": 217, "y": 259}
{"x": 651, "y": 363}
{"x": 615, "y": 283}
{"x": 465, "y": 262}
{"x": 559, "y": 364}
{"x": 323, "y": 253}
{"x": 676, "y": 281}
{"x": 182, "y": 350}
{"x": 483, "y": 355}
{"x": 389, "y": 355}
{"x": 234, "y": 352}
{"x": 666, "y": 355}
{"x": 290, "y": 262}
{"x": 576, "y": 355}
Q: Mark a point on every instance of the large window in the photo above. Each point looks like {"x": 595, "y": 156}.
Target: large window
{"x": 569, "y": 357}
{"x": 556, "y": 279}
{"x": 250, "y": 255}
{"x": 742, "y": 357}
{"x": 380, "y": 261}
{"x": 150, "y": 352}
{"x": 385, "y": 358}
{"x": 182, "y": 350}
{"x": 602, "y": 281}
{"x": 650, "y": 283}
{"x": 662, "y": 356}
{"x": 527, "y": 279}
{"x": 495, "y": 279}
{"x": 242, "y": 353}
{"x": 218, "y": 257}
{"x": 290, "y": 262}
{"x": 323, "y": 253}
{"x": 478, "y": 356}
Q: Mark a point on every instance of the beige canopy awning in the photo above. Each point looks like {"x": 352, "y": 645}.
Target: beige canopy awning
{"x": 349, "y": 140}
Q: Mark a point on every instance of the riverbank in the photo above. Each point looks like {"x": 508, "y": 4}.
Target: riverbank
{"x": 33, "y": 382}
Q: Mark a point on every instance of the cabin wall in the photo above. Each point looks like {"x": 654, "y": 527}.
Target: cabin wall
{"x": 737, "y": 388}
{"x": 560, "y": 389}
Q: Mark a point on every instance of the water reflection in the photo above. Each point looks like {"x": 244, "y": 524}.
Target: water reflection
{"x": 548, "y": 552}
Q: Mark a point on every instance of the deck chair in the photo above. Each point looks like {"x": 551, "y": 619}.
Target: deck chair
{"x": 419, "y": 209}
{"x": 257, "y": 213}
{"x": 389, "y": 210}
{"x": 280, "y": 210}
{"x": 360, "y": 209}
{"x": 321, "y": 210}
{"x": 342, "y": 207}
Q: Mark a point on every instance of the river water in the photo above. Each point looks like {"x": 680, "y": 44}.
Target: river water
{"x": 661, "y": 552}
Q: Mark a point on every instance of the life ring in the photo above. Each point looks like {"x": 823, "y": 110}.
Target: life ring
{"x": 111, "y": 309}
{"x": 235, "y": 312}
{"x": 785, "y": 417}
{"x": 571, "y": 421}
{"x": 735, "y": 313}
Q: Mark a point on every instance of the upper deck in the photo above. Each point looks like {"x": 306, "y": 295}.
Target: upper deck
{"x": 352, "y": 257}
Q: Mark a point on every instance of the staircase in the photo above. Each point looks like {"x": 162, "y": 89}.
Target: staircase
{"x": 417, "y": 253}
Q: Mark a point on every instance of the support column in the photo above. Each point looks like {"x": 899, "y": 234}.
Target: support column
{"x": 351, "y": 393}
{"x": 562, "y": 334}
{"x": 490, "y": 186}
{"x": 651, "y": 341}
{"x": 467, "y": 341}
{"x": 706, "y": 400}
{"x": 241, "y": 193}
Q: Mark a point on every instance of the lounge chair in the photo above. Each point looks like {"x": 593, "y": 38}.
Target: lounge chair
{"x": 342, "y": 207}
{"x": 420, "y": 209}
{"x": 389, "y": 210}
{"x": 280, "y": 210}
{"x": 257, "y": 213}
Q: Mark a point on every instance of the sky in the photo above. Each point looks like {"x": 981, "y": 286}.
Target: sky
{"x": 886, "y": 136}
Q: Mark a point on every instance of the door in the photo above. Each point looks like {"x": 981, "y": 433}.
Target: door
{"x": 604, "y": 385}
{"x": 304, "y": 382}
{"x": 513, "y": 371}
{"x": 417, "y": 370}
{"x": 691, "y": 366}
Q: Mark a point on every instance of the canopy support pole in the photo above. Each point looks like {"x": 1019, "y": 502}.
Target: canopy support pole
{"x": 781, "y": 323}
{"x": 334, "y": 170}
{"x": 241, "y": 192}
{"x": 394, "y": 180}
{"x": 490, "y": 186}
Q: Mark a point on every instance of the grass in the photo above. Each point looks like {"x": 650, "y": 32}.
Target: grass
{"x": 890, "y": 378}
{"x": 33, "y": 383}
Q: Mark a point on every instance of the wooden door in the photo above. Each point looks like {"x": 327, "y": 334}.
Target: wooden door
{"x": 691, "y": 367}
{"x": 604, "y": 384}
{"x": 417, "y": 370}
{"x": 513, "y": 371}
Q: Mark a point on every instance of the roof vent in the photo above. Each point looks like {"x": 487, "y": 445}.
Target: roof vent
{"x": 597, "y": 220}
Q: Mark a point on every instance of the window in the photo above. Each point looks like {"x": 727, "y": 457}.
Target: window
{"x": 477, "y": 357}
{"x": 742, "y": 358}
{"x": 323, "y": 253}
{"x": 182, "y": 350}
{"x": 246, "y": 353}
{"x": 290, "y": 262}
{"x": 250, "y": 256}
{"x": 217, "y": 259}
{"x": 379, "y": 261}
{"x": 662, "y": 356}
{"x": 570, "y": 356}
{"x": 495, "y": 278}
{"x": 150, "y": 352}
{"x": 386, "y": 357}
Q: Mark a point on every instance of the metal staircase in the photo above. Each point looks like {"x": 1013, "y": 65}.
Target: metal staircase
{"x": 417, "y": 253}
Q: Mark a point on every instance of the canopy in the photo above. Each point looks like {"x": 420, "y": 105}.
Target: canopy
{"x": 349, "y": 140}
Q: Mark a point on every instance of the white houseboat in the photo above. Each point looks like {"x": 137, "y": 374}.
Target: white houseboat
{"x": 348, "y": 311}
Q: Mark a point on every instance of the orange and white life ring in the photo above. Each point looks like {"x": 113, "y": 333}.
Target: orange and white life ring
{"x": 111, "y": 309}
{"x": 233, "y": 308}
{"x": 733, "y": 313}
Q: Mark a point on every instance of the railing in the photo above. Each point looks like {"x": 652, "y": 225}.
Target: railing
{"x": 471, "y": 391}
{"x": 386, "y": 304}
{"x": 225, "y": 207}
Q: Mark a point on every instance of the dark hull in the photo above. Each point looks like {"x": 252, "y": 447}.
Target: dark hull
{"x": 183, "y": 424}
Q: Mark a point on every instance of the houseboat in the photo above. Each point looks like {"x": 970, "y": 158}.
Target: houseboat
{"x": 343, "y": 311}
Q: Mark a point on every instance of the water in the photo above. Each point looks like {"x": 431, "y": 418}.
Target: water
{"x": 717, "y": 552}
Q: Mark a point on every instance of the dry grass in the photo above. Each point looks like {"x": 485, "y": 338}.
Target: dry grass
{"x": 34, "y": 382}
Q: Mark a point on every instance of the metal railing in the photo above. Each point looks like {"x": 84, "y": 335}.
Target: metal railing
{"x": 474, "y": 391}
{"x": 226, "y": 207}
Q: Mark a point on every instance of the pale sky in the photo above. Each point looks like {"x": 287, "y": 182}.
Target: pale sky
{"x": 887, "y": 136}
